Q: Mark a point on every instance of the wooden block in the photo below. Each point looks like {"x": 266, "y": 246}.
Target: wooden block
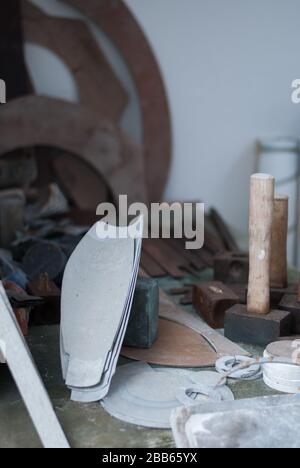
{"x": 291, "y": 303}
{"x": 231, "y": 267}
{"x": 211, "y": 300}
{"x": 244, "y": 327}
{"x": 142, "y": 328}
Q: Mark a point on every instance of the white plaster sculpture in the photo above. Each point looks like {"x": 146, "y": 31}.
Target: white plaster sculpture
{"x": 15, "y": 352}
{"x": 97, "y": 294}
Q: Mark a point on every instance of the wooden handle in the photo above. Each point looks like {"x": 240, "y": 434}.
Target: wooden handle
{"x": 278, "y": 267}
{"x": 260, "y": 230}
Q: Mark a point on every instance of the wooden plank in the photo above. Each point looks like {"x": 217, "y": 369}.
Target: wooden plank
{"x": 182, "y": 261}
{"x": 12, "y": 64}
{"x": 229, "y": 241}
{"x": 99, "y": 87}
{"x": 115, "y": 19}
{"x": 188, "y": 255}
{"x": 170, "y": 311}
{"x": 81, "y": 184}
{"x": 176, "y": 346}
{"x": 41, "y": 121}
{"x": 223, "y": 347}
{"x": 159, "y": 253}
{"x": 151, "y": 266}
{"x": 206, "y": 257}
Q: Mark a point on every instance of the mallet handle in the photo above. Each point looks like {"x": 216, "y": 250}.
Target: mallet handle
{"x": 260, "y": 230}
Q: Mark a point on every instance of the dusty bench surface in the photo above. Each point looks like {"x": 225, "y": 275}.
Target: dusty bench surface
{"x": 85, "y": 425}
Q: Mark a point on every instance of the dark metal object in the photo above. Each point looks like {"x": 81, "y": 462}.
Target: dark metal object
{"x": 44, "y": 257}
{"x": 49, "y": 312}
{"x": 115, "y": 19}
{"x": 242, "y": 327}
{"x": 229, "y": 241}
{"x": 142, "y": 328}
{"x": 231, "y": 267}
{"x": 212, "y": 300}
{"x": 291, "y": 303}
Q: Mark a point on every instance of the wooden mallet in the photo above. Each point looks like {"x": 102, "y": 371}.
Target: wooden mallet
{"x": 256, "y": 323}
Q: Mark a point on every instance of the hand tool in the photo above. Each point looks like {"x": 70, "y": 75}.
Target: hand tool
{"x": 256, "y": 323}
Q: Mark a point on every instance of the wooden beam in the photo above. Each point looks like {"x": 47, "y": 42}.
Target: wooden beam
{"x": 12, "y": 64}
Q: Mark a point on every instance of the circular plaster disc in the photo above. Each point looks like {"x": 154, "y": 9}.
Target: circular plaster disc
{"x": 144, "y": 396}
{"x": 284, "y": 378}
{"x": 176, "y": 346}
{"x": 228, "y": 363}
{"x": 283, "y": 349}
{"x": 289, "y": 387}
{"x": 147, "y": 386}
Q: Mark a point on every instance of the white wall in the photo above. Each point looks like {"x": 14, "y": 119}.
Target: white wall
{"x": 228, "y": 67}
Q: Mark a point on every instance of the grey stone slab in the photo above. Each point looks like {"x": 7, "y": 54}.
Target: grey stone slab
{"x": 268, "y": 422}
